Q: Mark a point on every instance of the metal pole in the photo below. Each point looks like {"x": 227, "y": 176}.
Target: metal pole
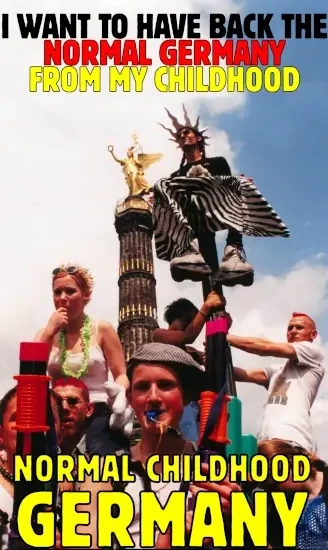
{"x": 207, "y": 248}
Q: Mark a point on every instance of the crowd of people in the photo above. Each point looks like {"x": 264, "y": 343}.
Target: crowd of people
{"x": 95, "y": 397}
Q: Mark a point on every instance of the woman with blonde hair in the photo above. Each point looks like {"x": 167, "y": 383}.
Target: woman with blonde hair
{"x": 91, "y": 351}
{"x": 313, "y": 526}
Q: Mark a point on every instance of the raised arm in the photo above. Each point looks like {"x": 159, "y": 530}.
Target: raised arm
{"x": 214, "y": 302}
{"x": 182, "y": 337}
{"x": 43, "y": 335}
{"x": 253, "y": 376}
{"x": 111, "y": 151}
{"x": 259, "y": 346}
{"x": 113, "y": 353}
{"x": 57, "y": 321}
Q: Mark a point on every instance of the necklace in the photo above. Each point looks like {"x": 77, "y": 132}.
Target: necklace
{"x": 6, "y": 475}
{"x": 85, "y": 339}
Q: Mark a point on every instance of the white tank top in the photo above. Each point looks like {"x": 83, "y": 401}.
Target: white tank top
{"x": 6, "y": 506}
{"x": 96, "y": 375}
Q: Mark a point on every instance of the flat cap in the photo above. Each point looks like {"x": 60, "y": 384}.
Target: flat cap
{"x": 166, "y": 354}
{"x": 190, "y": 373}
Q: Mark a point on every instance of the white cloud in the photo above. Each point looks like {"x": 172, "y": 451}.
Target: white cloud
{"x": 59, "y": 184}
{"x": 59, "y": 189}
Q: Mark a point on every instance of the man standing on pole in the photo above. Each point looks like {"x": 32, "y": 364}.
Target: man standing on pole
{"x": 202, "y": 195}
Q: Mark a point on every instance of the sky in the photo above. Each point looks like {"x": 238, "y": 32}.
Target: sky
{"x": 60, "y": 186}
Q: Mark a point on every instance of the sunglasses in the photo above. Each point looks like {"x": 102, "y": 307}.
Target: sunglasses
{"x": 69, "y": 270}
{"x": 71, "y": 401}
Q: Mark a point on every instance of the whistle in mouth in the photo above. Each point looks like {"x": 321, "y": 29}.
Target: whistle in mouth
{"x": 152, "y": 415}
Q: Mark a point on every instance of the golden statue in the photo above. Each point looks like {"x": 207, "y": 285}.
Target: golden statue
{"x": 134, "y": 166}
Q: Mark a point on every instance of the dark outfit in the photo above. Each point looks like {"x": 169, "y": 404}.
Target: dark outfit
{"x": 213, "y": 202}
{"x": 189, "y": 423}
{"x": 217, "y": 166}
{"x": 100, "y": 438}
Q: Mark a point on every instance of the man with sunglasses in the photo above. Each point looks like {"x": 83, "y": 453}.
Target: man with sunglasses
{"x": 75, "y": 398}
{"x": 203, "y": 196}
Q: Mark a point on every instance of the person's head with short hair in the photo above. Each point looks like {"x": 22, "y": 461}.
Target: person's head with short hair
{"x": 72, "y": 287}
{"x": 273, "y": 447}
{"x": 77, "y": 408}
{"x": 163, "y": 378}
{"x": 181, "y": 312}
{"x": 301, "y": 328}
{"x": 8, "y": 412}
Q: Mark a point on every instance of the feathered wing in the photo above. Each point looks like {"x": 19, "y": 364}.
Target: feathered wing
{"x": 147, "y": 160}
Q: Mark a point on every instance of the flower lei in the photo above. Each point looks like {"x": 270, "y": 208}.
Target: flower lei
{"x": 85, "y": 339}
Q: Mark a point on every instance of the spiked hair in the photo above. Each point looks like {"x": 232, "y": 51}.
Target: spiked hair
{"x": 187, "y": 124}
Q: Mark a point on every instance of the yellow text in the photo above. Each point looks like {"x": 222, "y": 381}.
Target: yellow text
{"x": 189, "y": 467}
{"x": 230, "y": 79}
{"x": 107, "y": 468}
{"x": 152, "y": 516}
{"x": 82, "y": 79}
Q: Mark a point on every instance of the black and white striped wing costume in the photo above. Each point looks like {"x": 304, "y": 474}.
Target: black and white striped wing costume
{"x": 183, "y": 205}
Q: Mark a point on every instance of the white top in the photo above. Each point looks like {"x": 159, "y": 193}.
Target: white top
{"x": 6, "y": 506}
{"x": 293, "y": 388}
{"x": 96, "y": 375}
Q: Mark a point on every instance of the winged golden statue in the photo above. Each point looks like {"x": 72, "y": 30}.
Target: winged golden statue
{"x": 134, "y": 167}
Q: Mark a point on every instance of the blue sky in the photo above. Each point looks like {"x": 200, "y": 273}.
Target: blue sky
{"x": 281, "y": 141}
